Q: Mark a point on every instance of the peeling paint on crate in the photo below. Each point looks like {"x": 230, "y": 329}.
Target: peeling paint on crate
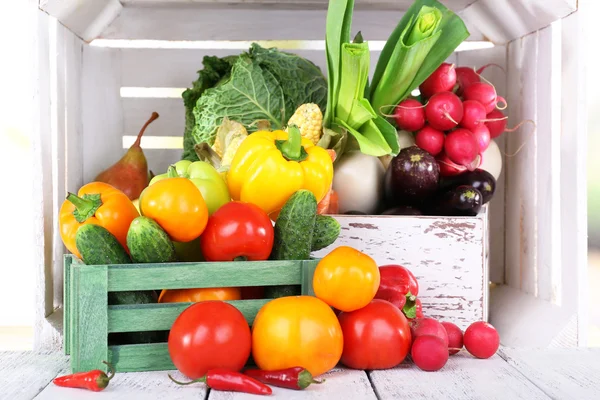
{"x": 445, "y": 254}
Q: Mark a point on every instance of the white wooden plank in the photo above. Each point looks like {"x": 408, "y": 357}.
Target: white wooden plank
{"x": 445, "y": 254}
{"x": 574, "y": 154}
{"x": 560, "y": 373}
{"x": 85, "y": 18}
{"x": 521, "y": 188}
{"x": 495, "y": 75}
{"x": 341, "y": 383}
{"x": 504, "y": 20}
{"x": 25, "y": 374}
{"x": 101, "y": 110}
{"x": 132, "y": 385}
{"x": 463, "y": 377}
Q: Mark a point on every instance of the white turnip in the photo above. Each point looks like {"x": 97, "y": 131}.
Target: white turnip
{"x": 358, "y": 182}
{"x": 473, "y": 114}
{"x": 481, "y": 339}
{"x": 442, "y": 79}
{"x": 444, "y": 110}
{"x": 491, "y": 160}
{"x": 455, "y": 337}
{"x": 482, "y": 136}
{"x": 483, "y": 93}
{"x": 410, "y": 115}
{"x": 429, "y": 353}
{"x": 428, "y": 326}
{"x": 431, "y": 140}
{"x": 461, "y": 147}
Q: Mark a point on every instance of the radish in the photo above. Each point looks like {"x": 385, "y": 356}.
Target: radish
{"x": 485, "y": 94}
{"x": 448, "y": 167}
{"x": 444, "y": 110}
{"x": 428, "y": 326}
{"x": 481, "y": 339}
{"x": 461, "y": 147}
{"x": 430, "y": 140}
{"x": 482, "y": 136}
{"x": 465, "y": 77}
{"x": 455, "y": 337}
{"x": 442, "y": 79}
{"x": 429, "y": 353}
{"x": 410, "y": 115}
{"x": 496, "y": 123}
{"x": 473, "y": 114}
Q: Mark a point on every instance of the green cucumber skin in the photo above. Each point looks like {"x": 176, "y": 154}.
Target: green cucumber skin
{"x": 327, "y": 230}
{"x": 149, "y": 243}
{"x": 98, "y": 246}
{"x": 294, "y": 227}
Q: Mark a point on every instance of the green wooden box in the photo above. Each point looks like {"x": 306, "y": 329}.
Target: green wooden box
{"x": 88, "y": 319}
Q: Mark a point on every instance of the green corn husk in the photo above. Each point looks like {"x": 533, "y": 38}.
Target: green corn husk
{"x": 427, "y": 34}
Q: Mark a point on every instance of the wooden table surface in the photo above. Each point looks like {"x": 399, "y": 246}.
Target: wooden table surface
{"x": 511, "y": 374}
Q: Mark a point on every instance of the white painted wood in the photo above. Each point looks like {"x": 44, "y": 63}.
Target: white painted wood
{"x": 447, "y": 256}
{"x": 85, "y": 18}
{"x": 504, "y": 20}
{"x": 101, "y": 110}
{"x": 498, "y": 77}
{"x": 341, "y": 383}
{"x": 462, "y": 378}
{"x": 25, "y": 374}
{"x": 133, "y": 385}
{"x": 560, "y": 373}
{"x": 521, "y": 188}
{"x": 573, "y": 154}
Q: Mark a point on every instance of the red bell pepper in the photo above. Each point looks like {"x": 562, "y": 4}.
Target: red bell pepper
{"x": 400, "y": 287}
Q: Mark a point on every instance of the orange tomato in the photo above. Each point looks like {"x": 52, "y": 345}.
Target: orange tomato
{"x": 200, "y": 294}
{"x": 177, "y": 205}
{"x": 346, "y": 279}
{"x": 297, "y": 331}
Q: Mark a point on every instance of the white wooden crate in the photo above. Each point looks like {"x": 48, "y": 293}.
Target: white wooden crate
{"x": 98, "y": 58}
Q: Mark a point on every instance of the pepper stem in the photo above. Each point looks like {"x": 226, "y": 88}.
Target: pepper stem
{"x": 199, "y": 380}
{"x": 112, "y": 370}
{"x": 292, "y": 148}
{"x": 305, "y": 379}
{"x": 86, "y": 206}
{"x": 103, "y": 379}
{"x": 172, "y": 172}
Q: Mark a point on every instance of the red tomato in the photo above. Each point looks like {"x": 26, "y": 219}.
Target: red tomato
{"x": 209, "y": 334}
{"x": 376, "y": 336}
{"x": 237, "y": 231}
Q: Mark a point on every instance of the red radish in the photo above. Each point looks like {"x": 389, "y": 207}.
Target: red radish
{"x": 483, "y": 93}
{"x": 442, "y": 79}
{"x": 473, "y": 114}
{"x": 448, "y": 167}
{"x": 410, "y": 115}
{"x": 428, "y": 326}
{"x": 496, "y": 123}
{"x": 465, "y": 77}
{"x": 482, "y": 135}
{"x": 481, "y": 339}
{"x": 444, "y": 110}
{"x": 429, "y": 353}
{"x": 455, "y": 337}
{"x": 461, "y": 147}
{"x": 431, "y": 140}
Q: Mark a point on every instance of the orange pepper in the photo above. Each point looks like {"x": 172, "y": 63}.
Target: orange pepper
{"x": 96, "y": 203}
{"x": 177, "y": 205}
{"x": 200, "y": 294}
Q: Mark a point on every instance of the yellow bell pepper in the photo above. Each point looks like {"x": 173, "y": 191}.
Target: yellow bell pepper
{"x": 270, "y": 166}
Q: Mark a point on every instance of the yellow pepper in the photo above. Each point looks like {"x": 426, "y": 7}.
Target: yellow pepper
{"x": 270, "y": 166}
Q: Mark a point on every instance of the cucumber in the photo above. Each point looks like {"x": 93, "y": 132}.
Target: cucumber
{"x": 98, "y": 246}
{"x": 294, "y": 227}
{"x": 274, "y": 292}
{"x": 327, "y": 230}
{"x": 149, "y": 243}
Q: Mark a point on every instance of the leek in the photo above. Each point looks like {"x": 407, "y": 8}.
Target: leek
{"x": 427, "y": 34}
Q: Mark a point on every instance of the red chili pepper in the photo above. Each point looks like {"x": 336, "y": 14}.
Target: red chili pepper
{"x": 291, "y": 378}
{"x": 95, "y": 380}
{"x": 223, "y": 379}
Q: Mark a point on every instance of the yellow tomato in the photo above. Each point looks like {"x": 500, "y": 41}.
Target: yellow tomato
{"x": 200, "y": 294}
{"x": 297, "y": 331}
{"x": 346, "y": 279}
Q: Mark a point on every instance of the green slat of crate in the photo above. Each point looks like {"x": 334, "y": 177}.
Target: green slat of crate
{"x": 67, "y": 261}
{"x": 196, "y": 275}
{"x": 140, "y": 357}
{"x": 159, "y": 317}
{"x": 308, "y": 271}
{"x": 89, "y": 315}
